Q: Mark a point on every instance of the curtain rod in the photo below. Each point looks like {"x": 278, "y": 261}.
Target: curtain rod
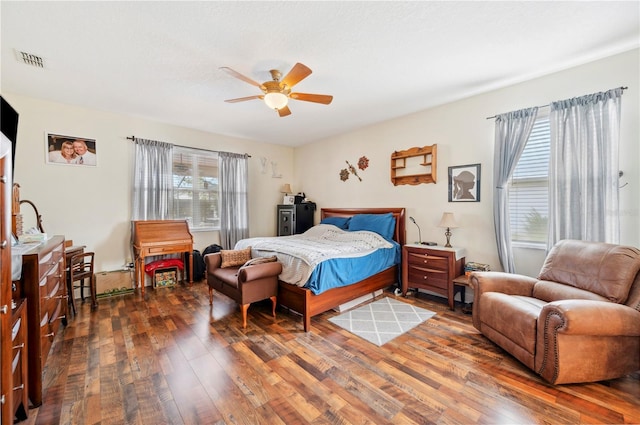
{"x": 132, "y": 138}
{"x": 546, "y": 106}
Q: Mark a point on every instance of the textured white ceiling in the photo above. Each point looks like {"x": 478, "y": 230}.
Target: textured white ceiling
{"x": 380, "y": 60}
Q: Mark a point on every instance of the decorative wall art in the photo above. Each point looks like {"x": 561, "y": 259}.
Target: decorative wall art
{"x": 464, "y": 183}
{"x": 363, "y": 164}
{"x": 70, "y": 150}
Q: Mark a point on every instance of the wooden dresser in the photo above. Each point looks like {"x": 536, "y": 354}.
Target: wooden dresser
{"x": 20, "y": 406}
{"x": 43, "y": 285}
{"x": 6, "y": 381}
{"x": 432, "y": 268}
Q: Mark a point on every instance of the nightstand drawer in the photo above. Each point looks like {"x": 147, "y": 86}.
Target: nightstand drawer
{"x": 422, "y": 259}
{"x": 419, "y": 277}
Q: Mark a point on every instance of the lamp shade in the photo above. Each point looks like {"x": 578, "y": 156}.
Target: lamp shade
{"x": 286, "y": 188}
{"x": 448, "y": 221}
{"x": 276, "y": 100}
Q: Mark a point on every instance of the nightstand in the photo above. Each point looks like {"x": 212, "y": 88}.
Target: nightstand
{"x": 432, "y": 268}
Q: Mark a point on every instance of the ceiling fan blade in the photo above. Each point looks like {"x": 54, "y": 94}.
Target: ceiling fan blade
{"x": 242, "y": 99}
{"x": 298, "y": 73}
{"x": 284, "y": 111}
{"x": 325, "y": 99}
{"x": 240, "y": 76}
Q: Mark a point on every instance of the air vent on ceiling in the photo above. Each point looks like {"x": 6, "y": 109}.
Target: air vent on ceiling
{"x": 30, "y": 59}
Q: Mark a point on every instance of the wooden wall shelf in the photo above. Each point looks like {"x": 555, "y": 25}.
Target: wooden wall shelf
{"x": 402, "y": 160}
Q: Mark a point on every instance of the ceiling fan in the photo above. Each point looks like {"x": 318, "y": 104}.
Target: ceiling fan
{"x": 276, "y": 93}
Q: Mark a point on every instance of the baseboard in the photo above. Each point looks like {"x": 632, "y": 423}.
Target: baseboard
{"x": 117, "y": 282}
{"x": 354, "y": 303}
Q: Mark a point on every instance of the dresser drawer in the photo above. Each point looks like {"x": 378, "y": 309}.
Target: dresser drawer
{"x": 50, "y": 261}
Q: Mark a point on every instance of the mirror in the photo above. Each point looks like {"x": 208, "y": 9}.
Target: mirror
{"x": 31, "y": 220}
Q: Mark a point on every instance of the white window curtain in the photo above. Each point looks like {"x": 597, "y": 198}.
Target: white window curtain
{"x": 152, "y": 184}
{"x": 583, "y": 173}
{"x": 234, "y": 202}
{"x": 511, "y": 135}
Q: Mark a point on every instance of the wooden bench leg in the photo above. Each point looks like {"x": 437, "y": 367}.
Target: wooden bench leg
{"x": 210, "y": 295}
{"x": 273, "y": 303}
{"x": 244, "y": 308}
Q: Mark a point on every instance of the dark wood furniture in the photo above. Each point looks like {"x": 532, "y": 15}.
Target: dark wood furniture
{"x": 460, "y": 284}
{"x": 80, "y": 269}
{"x": 432, "y": 268}
{"x": 308, "y": 304}
{"x": 295, "y": 219}
{"x": 69, "y": 251}
{"x": 20, "y": 386}
{"x": 43, "y": 285}
{"x": 160, "y": 237}
{"x": 6, "y": 377}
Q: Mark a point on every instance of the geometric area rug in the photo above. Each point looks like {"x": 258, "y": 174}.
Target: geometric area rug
{"x": 381, "y": 321}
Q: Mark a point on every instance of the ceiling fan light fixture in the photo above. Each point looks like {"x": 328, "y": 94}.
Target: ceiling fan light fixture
{"x": 276, "y": 100}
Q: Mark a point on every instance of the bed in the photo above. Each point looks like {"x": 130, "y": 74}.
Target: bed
{"x": 308, "y": 304}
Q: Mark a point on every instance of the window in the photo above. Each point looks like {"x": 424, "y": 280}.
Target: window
{"x": 195, "y": 188}
{"x": 529, "y": 188}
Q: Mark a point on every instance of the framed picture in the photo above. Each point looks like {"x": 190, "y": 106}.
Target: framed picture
{"x": 289, "y": 200}
{"x": 70, "y": 150}
{"x": 464, "y": 183}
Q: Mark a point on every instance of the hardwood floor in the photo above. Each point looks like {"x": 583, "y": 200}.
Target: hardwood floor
{"x": 171, "y": 359}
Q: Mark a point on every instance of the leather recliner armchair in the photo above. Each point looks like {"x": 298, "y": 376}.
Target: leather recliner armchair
{"x": 579, "y": 321}
{"x": 243, "y": 284}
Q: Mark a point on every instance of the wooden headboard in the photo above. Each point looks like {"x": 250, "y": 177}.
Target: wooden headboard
{"x": 399, "y": 235}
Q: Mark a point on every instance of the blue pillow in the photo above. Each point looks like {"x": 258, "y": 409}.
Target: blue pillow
{"x": 340, "y": 222}
{"x": 382, "y": 224}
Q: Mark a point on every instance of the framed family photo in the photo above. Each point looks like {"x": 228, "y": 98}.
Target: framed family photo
{"x": 464, "y": 183}
{"x": 70, "y": 150}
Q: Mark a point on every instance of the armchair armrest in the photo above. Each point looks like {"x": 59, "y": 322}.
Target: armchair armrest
{"x": 586, "y": 340}
{"x": 589, "y": 317}
{"x": 213, "y": 261}
{"x": 259, "y": 271}
{"x": 507, "y": 283}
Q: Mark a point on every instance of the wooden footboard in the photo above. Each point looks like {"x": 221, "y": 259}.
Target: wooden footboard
{"x": 308, "y": 304}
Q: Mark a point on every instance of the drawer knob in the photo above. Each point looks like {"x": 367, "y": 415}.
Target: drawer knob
{"x": 425, "y": 277}
{"x": 3, "y": 245}
{"x": 3, "y": 309}
{"x": 2, "y": 399}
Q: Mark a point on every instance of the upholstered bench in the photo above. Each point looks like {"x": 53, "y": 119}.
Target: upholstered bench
{"x": 243, "y": 279}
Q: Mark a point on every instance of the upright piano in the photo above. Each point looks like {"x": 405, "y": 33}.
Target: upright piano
{"x": 159, "y": 237}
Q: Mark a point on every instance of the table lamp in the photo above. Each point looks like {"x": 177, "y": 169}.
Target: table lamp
{"x": 449, "y": 223}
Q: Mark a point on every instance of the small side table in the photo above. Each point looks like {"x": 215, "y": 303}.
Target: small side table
{"x": 460, "y": 284}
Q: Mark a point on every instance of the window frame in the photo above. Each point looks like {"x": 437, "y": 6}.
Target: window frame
{"x": 542, "y": 179}
{"x": 196, "y": 161}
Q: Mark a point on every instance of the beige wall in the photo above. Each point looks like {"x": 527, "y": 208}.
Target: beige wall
{"x": 92, "y": 205}
{"x": 465, "y": 136}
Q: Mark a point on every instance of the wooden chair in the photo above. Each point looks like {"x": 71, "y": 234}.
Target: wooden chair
{"x": 80, "y": 269}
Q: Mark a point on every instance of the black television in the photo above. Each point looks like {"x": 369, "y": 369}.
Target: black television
{"x": 9, "y": 126}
